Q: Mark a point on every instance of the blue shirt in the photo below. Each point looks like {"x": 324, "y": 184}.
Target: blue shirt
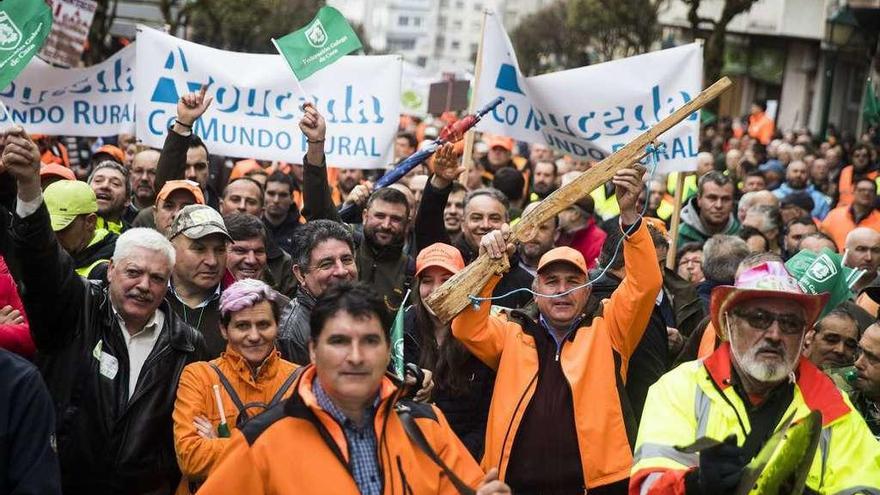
{"x": 361, "y": 442}
{"x": 821, "y": 202}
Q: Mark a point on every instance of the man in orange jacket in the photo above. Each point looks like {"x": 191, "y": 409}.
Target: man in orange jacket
{"x": 559, "y": 421}
{"x": 345, "y": 429}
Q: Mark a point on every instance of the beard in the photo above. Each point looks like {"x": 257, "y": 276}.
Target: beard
{"x": 764, "y": 371}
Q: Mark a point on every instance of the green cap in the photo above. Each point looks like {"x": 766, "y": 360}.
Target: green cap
{"x": 67, "y": 199}
{"x": 823, "y": 272}
{"x": 197, "y": 221}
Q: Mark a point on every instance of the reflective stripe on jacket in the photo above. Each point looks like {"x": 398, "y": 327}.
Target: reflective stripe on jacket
{"x": 687, "y": 403}
{"x": 297, "y": 447}
{"x": 197, "y": 456}
{"x": 588, "y": 362}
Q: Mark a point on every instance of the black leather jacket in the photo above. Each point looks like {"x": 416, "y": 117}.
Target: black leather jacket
{"x": 107, "y": 443}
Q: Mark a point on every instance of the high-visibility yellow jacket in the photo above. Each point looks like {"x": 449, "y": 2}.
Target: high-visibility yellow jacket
{"x": 687, "y": 403}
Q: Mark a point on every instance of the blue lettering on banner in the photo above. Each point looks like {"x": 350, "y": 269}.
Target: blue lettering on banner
{"x": 350, "y": 108}
{"x": 592, "y": 124}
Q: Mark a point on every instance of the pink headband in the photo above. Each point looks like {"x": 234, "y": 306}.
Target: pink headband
{"x": 244, "y": 294}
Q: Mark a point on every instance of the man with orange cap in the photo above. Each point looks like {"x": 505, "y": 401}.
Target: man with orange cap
{"x": 559, "y": 421}
{"x": 747, "y": 390}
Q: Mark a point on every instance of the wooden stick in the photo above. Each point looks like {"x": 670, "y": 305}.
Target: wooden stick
{"x": 453, "y": 296}
{"x": 467, "y": 154}
{"x": 676, "y": 220}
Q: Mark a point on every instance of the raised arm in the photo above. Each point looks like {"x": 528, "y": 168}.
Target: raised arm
{"x": 55, "y": 295}
{"x": 630, "y": 307}
{"x": 317, "y": 200}
{"x": 429, "y": 227}
{"x": 172, "y": 160}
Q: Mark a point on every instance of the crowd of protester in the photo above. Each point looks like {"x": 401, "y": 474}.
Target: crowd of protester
{"x": 173, "y": 321}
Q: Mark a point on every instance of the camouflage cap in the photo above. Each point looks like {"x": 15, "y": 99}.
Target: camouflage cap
{"x": 197, "y": 221}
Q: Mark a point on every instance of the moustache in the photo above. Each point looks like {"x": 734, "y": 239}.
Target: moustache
{"x": 139, "y": 295}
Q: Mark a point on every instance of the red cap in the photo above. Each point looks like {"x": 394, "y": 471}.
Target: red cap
{"x": 439, "y": 254}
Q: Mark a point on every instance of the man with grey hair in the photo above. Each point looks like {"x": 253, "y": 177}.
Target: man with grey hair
{"x": 325, "y": 258}
{"x": 111, "y": 353}
{"x": 754, "y": 198}
{"x": 767, "y": 220}
{"x": 721, "y": 257}
{"x": 485, "y": 210}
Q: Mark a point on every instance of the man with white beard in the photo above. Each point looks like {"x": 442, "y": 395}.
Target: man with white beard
{"x": 744, "y": 392}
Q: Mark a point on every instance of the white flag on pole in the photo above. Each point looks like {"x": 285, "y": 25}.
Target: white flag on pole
{"x": 590, "y": 112}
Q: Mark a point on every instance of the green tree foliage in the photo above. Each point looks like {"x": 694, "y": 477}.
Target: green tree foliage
{"x": 247, "y": 25}
{"x": 715, "y": 32}
{"x": 574, "y": 33}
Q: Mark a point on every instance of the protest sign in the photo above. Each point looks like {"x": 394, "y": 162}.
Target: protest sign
{"x": 590, "y": 112}
{"x": 24, "y": 25}
{"x": 70, "y": 30}
{"x": 255, "y": 112}
{"x": 323, "y": 41}
{"x": 95, "y": 101}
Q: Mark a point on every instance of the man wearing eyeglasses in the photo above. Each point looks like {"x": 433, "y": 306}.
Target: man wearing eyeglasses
{"x": 742, "y": 393}
{"x": 868, "y": 378}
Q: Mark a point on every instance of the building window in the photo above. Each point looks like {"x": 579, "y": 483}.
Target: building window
{"x": 439, "y": 43}
{"x": 459, "y": 4}
{"x": 402, "y": 44}
{"x": 441, "y": 21}
{"x": 417, "y": 21}
{"x": 444, "y": 3}
{"x": 455, "y": 45}
{"x": 475, "y": 25}
{"x": 478, "y": 7}
{"x": 422, "y": 61}
{"x": 474, "y": 47}
{"x": 456, "y": 24}
{"x": 403, "y": 21}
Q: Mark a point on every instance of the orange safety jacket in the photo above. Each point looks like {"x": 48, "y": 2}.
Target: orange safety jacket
{"x": 298, "y": 447}
{"x": 761, "y": 127}
{"x": 197, "y": 456}
{"x": 594, "y": 362}
{"x": 845, "y": 186}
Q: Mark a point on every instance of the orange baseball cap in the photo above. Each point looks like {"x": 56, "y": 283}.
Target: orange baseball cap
{"x": 113, "y": 151}
{"x": 48, "y": 169}
{"x": 186, "y": 185}
{"x": 501, "y": 141}
{"x": 439, "y": 254}
{"x": 563, "y": 254}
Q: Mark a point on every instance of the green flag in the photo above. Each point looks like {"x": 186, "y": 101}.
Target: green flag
{"x": 823, "y": 272}
{"x": 871, "y": 104}
{"x": 24, "y": 26}
{"x": 323, "y": 41}
{"x": 397, "y": 338}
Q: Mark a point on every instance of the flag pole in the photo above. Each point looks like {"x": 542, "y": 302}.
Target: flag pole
{"x": 6, "y": 112}
{"x": 467, "y": 153}
{"x": 676, "y": 220}
{"x": 298, "y": 84}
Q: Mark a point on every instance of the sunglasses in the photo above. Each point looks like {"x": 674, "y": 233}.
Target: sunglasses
{"x": 789, "y": 324}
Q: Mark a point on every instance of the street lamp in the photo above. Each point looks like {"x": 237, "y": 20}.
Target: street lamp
{"x": 840, "y": 27}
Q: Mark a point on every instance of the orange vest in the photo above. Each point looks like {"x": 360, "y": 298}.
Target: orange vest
{"x": 587, "y": 362}
{"x": 840, "y": 222}
{"x": 845, "y": 186}
{"x": 198, "y": 456}
{"x": 298, "y": 447}
{"x": 761, "y": 127}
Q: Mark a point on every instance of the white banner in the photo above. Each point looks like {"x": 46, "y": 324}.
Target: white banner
{"x": 95, "y": 101}
{"x": 255, "y": 111}
{"x": 590, "y": 112}
{"x": 70, "y": 30}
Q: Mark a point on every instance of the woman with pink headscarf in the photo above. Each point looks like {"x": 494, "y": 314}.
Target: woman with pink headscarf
{"x": 215, "y": 397}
